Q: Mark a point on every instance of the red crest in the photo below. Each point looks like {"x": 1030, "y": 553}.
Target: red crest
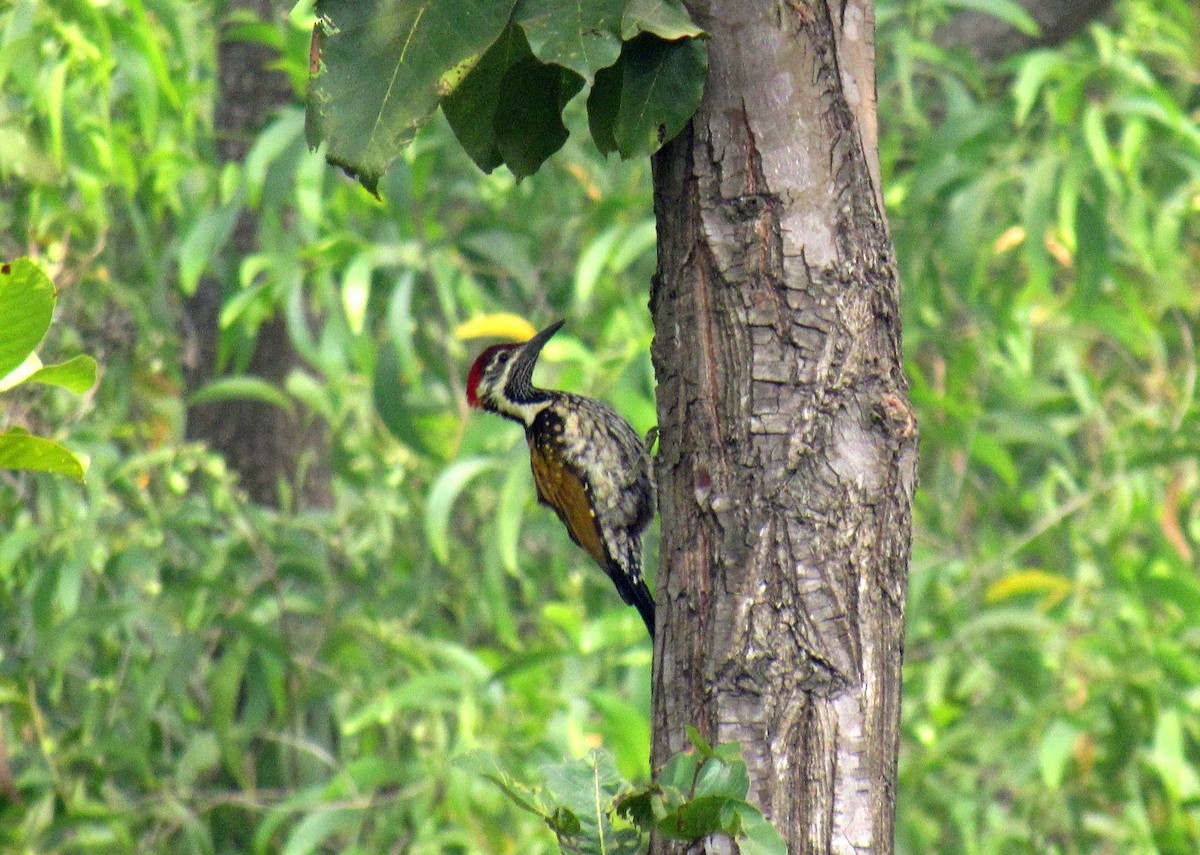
{"x": 476, "y": 372}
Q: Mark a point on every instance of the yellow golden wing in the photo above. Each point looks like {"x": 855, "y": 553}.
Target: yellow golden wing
{"x": 560, "y": 487}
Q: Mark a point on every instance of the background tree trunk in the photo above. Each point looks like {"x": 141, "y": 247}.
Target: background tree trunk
{"x": 990, "y": 38}
{"x": 262, "y": 443}
{"x": 787, "y": 455}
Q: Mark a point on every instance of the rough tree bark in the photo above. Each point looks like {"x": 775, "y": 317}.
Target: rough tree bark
{"x": 787, "y": 454}
{"x": 262, "y": 443}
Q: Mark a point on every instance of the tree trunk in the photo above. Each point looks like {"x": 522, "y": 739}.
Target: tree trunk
{"x": 262, "y": 443}
{"x": 787, "y": 458}
{"x": 990, "y": 38}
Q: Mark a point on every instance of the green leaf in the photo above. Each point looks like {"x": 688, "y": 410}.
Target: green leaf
{"x": 472, "y": 107}
{"x": 661, "y": 85}
{"x": 518, "y": 793}
{"x": 1166, "y": 112}
{"x": 441, "y": 501}
{"x": 437, "y": 690}
{"x": 508, "y": 109}
{"x": 612, "y": 251}
{"x": 1036, "y": 67}
{"x": 385, "y": 64}
{"x": 603, "y": 103}
{"x": 583, "y": 35}
{"x": 1091, "y": 249}
{"x": 242, "y": 387}
{"x": 625, "y": 730}
{"x": 565, "y": 823}
{"x": 593, "y": 260}
{"x": 26, "y": 307}
{"x": 204, "y": 241}
{"x": 270, "y": 144}
{"x": 585, "y": 791}
{"x": 19, "y": 450}
{"x": 702, "y": 792}
{"x": 419, "y": 416}
{"x": 1058, "y": 743}
{"x": 695, "y": 818}
{"x": 759, "y": 836}
{"x": 667, "y": 19}
{"x": 531, "y": 129}
{"x": 367, "y": 774}
{"x": 514, "y": 496}
{"x": 1104, "y": 157}
{"x": 728, "y": 780}
{"x": 201, "y": 756}
{"x": 315, "y": 829}
{"x": 637, "y": 806}
{"x": 986, "y": 450}
{"x": 77, "y": 374}
{"x": 1182, "y": 592}
{"x": 356, "y": 292}
{"x": 702, "y": 745}
{"x": 680, "y": 770}
{"x": 312, "y": 392}
{"x": 224, "y": 684}
{"x": 1169, "y": 758}
{"x": 402, "y": 328}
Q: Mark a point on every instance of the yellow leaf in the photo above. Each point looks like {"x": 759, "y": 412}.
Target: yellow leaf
{"x": 1059, "y": 250}
{"x": 498, "y": 325}
{"x": 1055, "y": 587}
{"x": 1012, "y": 236}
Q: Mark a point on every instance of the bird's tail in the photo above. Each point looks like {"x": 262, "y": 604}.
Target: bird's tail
{"x": 625, "y": 570}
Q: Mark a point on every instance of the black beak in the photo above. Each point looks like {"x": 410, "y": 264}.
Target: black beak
{"x": 520, "y": 381}
{"x": 532, "y": 349}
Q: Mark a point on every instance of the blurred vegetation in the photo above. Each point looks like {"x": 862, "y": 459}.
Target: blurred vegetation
{"x": 183, "y": 672}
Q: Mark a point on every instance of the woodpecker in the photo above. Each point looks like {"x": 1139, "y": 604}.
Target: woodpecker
{"x": 588, "y": 464}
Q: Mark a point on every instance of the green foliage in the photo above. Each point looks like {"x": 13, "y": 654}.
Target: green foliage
{"x": 702, "y": 792}
{"x": 182, "y": 672}
{"x": 577, "y": 801}
{"x": 1044, "y": 214}
{"x": 27, "y": 301}
{"x": 592, "y": 810}
{"x": 503, "y": 72}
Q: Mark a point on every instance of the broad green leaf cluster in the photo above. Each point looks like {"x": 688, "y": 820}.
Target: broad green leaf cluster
{"x": 578, "y": 801}
{"x": 184, "y": 672}
{"x": 502, "y": 71}
{"x": 698, "y": 794}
